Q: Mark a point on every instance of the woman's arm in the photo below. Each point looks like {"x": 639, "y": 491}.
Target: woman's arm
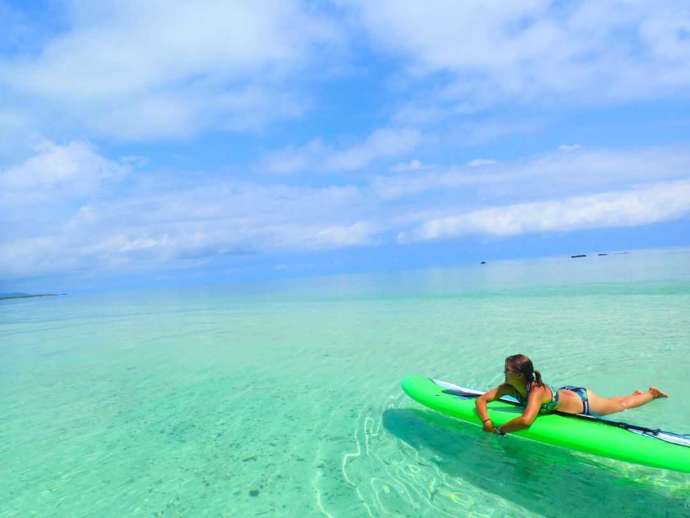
{"x": 490, "y": 395}
{"x": 528, "y": 416}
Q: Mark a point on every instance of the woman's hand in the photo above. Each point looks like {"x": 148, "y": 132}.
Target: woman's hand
{"x": 489, "y": 426}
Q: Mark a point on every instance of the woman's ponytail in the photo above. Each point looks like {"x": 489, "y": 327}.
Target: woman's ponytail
{"x": 537, "y": 378}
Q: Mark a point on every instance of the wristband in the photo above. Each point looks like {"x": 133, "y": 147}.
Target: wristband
{"x": 485, "y": 420}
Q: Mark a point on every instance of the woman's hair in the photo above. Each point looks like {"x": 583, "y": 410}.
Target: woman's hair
{"x": 522, "y": 364}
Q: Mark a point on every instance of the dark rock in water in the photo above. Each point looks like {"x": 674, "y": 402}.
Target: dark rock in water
{"x": 601, "y": 254}
{"x": 483, "y": 262}
{"x": 579, "y": 255}
{"x": 254, "y": 492}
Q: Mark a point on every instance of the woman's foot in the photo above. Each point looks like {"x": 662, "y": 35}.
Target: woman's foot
{"x": 657, "y": 393}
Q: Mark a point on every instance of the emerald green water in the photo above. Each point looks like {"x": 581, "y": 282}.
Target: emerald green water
{"x": 283, "y": 399}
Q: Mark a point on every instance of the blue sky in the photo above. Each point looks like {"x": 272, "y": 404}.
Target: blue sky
{"x": 221, "y": 141}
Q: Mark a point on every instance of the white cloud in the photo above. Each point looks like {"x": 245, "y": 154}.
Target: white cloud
{"x": 479, "y": 162}
{"x": 661, "y": 202}
{"x": 160, "y": 220}
{"x": 57, "y": 172}
{"x": 319, "y": 237}
{"x": 412, "y": 165}
{"x": 132, "y": 246}
{"x": 293, "y": 159}
{"x": 98, "y": 216}
{"x": 315, "y": 156}
{"x": 170, "y": 68}
{"x": 534, "y": 51}
{"x": 380, "y": 144}
{"x": 579, "y": 170}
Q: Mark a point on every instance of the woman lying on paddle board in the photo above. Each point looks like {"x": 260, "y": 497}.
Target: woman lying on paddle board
{"x": 525, "y": 384}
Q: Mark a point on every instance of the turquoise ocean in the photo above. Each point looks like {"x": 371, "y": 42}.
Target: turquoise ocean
{"x": 283, "y": 398}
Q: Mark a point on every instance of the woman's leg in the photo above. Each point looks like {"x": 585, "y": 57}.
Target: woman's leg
{"x": 605, "y": 406}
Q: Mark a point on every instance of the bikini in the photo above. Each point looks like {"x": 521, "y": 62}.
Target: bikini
{"x": 551, "y": 405}
{"x": 582, "y": 392}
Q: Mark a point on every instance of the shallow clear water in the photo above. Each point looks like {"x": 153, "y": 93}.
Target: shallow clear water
{"x": 284, "y": 399}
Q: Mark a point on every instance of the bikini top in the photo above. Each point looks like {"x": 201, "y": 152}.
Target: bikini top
{"x": 549, "y": 406}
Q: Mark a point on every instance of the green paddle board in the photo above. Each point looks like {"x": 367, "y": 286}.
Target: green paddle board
{"x": 598, "y": 436}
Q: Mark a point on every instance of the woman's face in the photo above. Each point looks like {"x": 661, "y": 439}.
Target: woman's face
{"x": 512, "y": 377}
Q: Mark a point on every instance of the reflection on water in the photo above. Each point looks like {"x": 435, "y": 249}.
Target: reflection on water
{"x": 539, "y": 478}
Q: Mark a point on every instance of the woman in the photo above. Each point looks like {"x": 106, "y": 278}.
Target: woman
{"x": 525, "y": 384}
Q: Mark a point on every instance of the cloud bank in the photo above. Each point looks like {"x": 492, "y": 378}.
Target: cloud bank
{"x": 654, "y": 204}
{"x": 165, "y": 69}
{"x": 159, "y": 221}
{"x": 528, "y": 51}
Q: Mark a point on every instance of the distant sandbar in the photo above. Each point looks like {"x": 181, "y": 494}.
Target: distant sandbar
{"x": 5, "y": 296}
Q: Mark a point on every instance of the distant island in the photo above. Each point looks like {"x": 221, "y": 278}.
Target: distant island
{"x": 17, "y": 295}
{"x": 600, "y": 254}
